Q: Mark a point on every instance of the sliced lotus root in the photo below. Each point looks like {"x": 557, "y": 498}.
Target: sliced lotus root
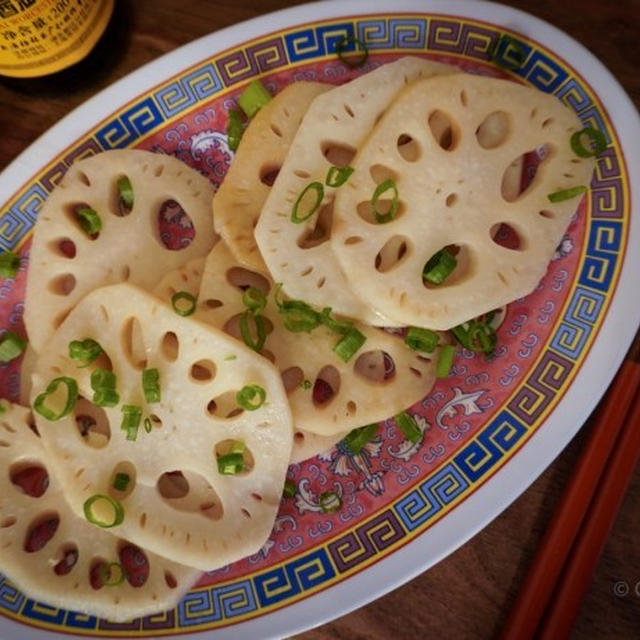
{"x": 59, "y": 558}
{"x": 161, "y": 223}
{"x": 452, "y": 147}
{"x": 188, "y": 278}
{"x": 177, "y": 503}
{"x": 328, "y": 396}
{"x": 333, "y": 129}
{"x": 264, "y": 145}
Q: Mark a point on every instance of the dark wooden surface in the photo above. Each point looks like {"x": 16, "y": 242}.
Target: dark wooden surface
{"x": 468, "y": 594}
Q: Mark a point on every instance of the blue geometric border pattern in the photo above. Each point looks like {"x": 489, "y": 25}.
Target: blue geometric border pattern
{"x": 395, "y": 33}
{"x": 230, "y": 601}
{"x": 603, "y": 252}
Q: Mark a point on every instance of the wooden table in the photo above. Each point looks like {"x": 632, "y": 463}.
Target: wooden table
{"x": 469, "y": 593}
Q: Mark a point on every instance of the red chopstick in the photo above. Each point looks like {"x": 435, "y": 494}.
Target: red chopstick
{"x": 565, "y": 526}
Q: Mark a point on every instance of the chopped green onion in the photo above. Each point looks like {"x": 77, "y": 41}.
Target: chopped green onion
{"x": 231, "y": 464}
{"x": 182, "y": 309}
{"x": 103, "y": 383}
{"x": 89, "y": 220}
{"x": 253, "y": 98}
{"x": 151, "y": 385}
{"x": 11, "y": 346}
{"x": 251, "y": 397}
{"x": 298, "y": 315}
{"x": 117, "y": 512}
{"x": 231, "y": 357}
{"x": 357, "y": 438}
{"x": 337, "y": 176}
{"x": 3, "y": 408}
{"x": 439, "y": 267}
{"x": 330, "y": 502}
{"x": 70, "y": 403}
{"x": 420, "y": 339}
{"x": 148, "y": 425}
{"x": 337, "y": 326}
{"x": 309, "y": 211}
{"x": 502, "y": 61}
{"x": 106, "y": 572}
{"x": 306, "y": 385}
{"x": 234, "y": 129}
{"x": 254, "y": 300}
{"x": 121, "y": 481}
{"x": 289, "y": 490}
{"x": 597, "y": 139}
{"x": 350, "y": 61}
{"x": 238, "y": 446}
{"x": 445, "y": 360}
{"x": 383, "y": 217}
{"x": 260, "y": 331}
{"x": 86, "y": 351}
{"x": 476, "y": 336}
{"x": 347, "y": 346}
{"x": 408, "y": 427}
{"x": 9, "y": 264}
{"x": 131, "y": 416}
{"x": 125, "y": 191}
{"x": 566, "y": 194}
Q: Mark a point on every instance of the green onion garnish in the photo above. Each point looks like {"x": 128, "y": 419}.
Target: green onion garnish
{"x": 148, "y": 425}
{"x": 177, "y": 302}
{"x": 89, "y": 220}
{"x": 99, "y": 502}
{"x": 231, "y": 464}
{"x": 251, "y": 397}
{"x": 337, "y": 176}
{"x": 260, "y": 330}
{"x": 337, "y": 326}
{"x": 566, "y": 194}
{"x": 9, "y": 264}
{"x": 254, "y": 300}
{"x": 131, "y": 416}
{"x": 330, "y": 502}
{"x": 347, "y": 346}
{"x": 151, "y": 385}
{"x": 476, "y": 336}
{"x": 70, "y": 403}
{"x": 439, "y": 267}
{"x": 298, "y": 315}
{"x": 253, "y": 98}
{"x": 408, "y": 427}
{"x": 86, "y": 351}
{"x": 420, "y": 339}
{"x": 299, "y": 217}
{"x": 103, "y": 383}
{"x": 357, "y": 438}
{"x": 502, "y": 61}
{"x": 383, "y": 217}
{"x": 125, "y": 191}
{"x": 234, "y": 129}
{"x": 445, "y": 360}
{"x": 597, "y": 139}
{"x": 121, "y": 481}
{"x": 111, "y": 574}
{"x": 306, "y": 385}
{"x": 3, "y": 408}
{"x": 11, "y": 346}
{"x": 351, "y": 61}
{"x": 289, "y": 490}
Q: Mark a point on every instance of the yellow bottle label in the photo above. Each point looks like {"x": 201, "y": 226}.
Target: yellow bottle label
{"x": 38, "y": 37}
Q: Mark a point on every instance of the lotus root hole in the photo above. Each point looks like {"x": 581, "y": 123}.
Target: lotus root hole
{"x": 135, "y": 564}
{"x": 63, "y": 284}
{"x": 31, "y": 478}
{"x": 170, "y": 580}
{"x": 133, "y": 343}
{"x": 84, "y": 178}
{"x": 158, "y": 170}
{"x": 545, "y": 213}
{"x": 379, "y": 173}
{"x": 392, "y": 254}
{"x": 233, "y": 327}
{"x": 292, "y": 378}
{"x": 224, "y": 406}
{"x": 98, "y": 571}
{"x": 72, "y": 212}
{"x": 493, "y": 130}
{"x": 203, "y": 371}
{"x": 451, "y": 200}
{"x": 351, "y": 408}
{"x": 175, "y": 228}
{"x": 462, "y": 270}
{"x": 298, "y": 437}
{"x": 338, "y": 155}
{"x": 40, "y": 531}
{"x": 92, "y": 424}
{"x": 7, "y": 522}
{"x": 408, "y": 148}
{"x": 521, "y": 174}
{"x": 375, "y": 366}
{"x": 383, "y": 206}
{"x": 67, "y": 558}
{"x": 464, "y": 100}
{"x": 211, "y": 304}
{"x": 170, "y": 346}
{"x": 64, "y": 247}
{"x": 506, "y": 236}
{"x": 444, "y": 131}
{"x": 242, "y": 278}
{"x": 320, "y": 232}
{"x": 269, "y": 174}
{"x": 126, "y": 485}
{"x": 224, "y": 447}
{"x": 326, "y": 386}
{"x": 351, "y": 240}
{"x": 300, "y": 173}
{"x": 116, "y": 204}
